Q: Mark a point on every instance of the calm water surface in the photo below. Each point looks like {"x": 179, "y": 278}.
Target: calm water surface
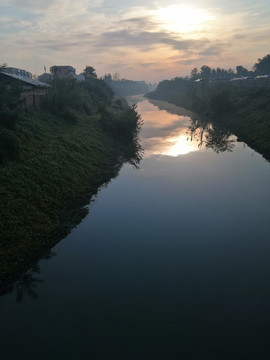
{"x": 172, "y": 262}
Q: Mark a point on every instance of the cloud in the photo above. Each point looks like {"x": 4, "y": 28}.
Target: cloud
{"x": 136, "y": 40}
{"x": 212, "y": 50}
{"x": 146, "y": 65}
{"x": 146, "y": 40}
{"x": 32, "y": 6}
{"x": 41, "y": 5}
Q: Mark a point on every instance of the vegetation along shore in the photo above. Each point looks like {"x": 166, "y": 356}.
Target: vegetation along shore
{"x": 241, "y": 105}
{"x": 53, "y": 161}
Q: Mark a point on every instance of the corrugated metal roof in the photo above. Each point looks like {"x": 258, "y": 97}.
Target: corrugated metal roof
{"x": 26, "y": 79}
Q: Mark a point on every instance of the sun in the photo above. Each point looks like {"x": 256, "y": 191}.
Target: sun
{"x": 180, "y": 146}
{"x": 182, "y": 19}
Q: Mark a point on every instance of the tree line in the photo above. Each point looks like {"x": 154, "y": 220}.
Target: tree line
{"x": 261, "y": 67}
{"x": 69, "y": 99}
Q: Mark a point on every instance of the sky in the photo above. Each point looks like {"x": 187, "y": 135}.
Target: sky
{"x": 140, "y": 40}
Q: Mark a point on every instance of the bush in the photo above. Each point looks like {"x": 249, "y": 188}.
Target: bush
{"x": 219, "y": 100}
{"x": 123, "y": 126}
{"x": 9, "y": 146}
{"x": 8, "y": 117}
{"x": 70, "y": 117}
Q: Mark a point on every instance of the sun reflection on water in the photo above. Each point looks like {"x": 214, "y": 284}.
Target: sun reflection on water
{"x": 180, "y": 146}
{"x": 165, "y": 133}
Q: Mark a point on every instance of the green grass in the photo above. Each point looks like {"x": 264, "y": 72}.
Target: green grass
{"x": 60, "y": 166}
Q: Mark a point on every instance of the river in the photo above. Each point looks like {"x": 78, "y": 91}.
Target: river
{"x": 172, "y": 261}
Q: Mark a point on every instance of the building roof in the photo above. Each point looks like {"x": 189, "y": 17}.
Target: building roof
{"x": 26, "y": 79}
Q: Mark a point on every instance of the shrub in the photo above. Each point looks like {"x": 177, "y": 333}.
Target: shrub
{"x": 124, "y": 126}
{"x": 70, "y": 117}
{"x": 219, "y": 100}
{"x": 9, "y": 146}
{"x": 8, "y": 117}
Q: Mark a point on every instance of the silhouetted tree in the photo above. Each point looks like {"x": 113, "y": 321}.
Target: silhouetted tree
{"x": 194, "y": 74}
{"x": 27, "y": 285}
{"x": 205, "y": 72}
{"x": 205, "y": 133}
{"x": 108, "y": 77}
{"x": 262, "y": 67}
{"x": 241, "y": 71}
{"x": 3, "y": 66}
{"x": 89, "y": 73}
{"x": 116, "y": 77}
{"x": 231, "y": 73}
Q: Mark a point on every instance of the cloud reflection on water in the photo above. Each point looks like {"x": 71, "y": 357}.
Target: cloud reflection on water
{"x": 165, "y": 133}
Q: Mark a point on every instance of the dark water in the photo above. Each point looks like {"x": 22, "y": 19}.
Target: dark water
{"x": 172, "y": 262}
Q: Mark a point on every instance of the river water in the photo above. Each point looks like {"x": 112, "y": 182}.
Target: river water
{"x": 172, "y": 261}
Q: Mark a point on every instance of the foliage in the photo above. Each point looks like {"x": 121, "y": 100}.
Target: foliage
{"x": 10, "y": 95}
{"x": 89, "y": 73}
{"x": 176, "y": 83}
{"x": 194, "y": 74}
{"x": 9, "y": 146}
{"x": 125, "y": 87}
{"x": 241, "y": 71}
{"x": 124, "y": 126}
{"x": 3, "y": 66}
{"x": 208, "y": 92}
{"x": 99, "y": 90}
{"x": 64, "y": 157}
{"x": 211, "y": 135}
{"x": 205, "y": 72}
{"x": 108, "y": 78}
{"x": 10, "y": 115}
{"x": 175, "y": 91}
{"x": 219, "y": 99}
{"x": 79, "y": 95}
{"x": 245, "y": 112}
{"x": 262, "y": 66}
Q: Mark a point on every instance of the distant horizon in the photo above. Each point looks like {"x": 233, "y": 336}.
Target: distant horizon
{"x": 121, "y": 78}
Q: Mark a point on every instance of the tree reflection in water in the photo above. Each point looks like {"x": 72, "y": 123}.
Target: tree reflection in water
{"x": 27, "y": 283}
{"x": 211, "y": 136}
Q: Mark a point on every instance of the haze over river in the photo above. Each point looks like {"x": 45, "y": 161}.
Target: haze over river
{"x": 172, "y": 261}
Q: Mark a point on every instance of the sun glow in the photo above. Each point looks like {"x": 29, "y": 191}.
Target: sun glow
{"x": 182, "y": 19}
{"x": 164, "y": 132}
{"x": 180, "y": 146}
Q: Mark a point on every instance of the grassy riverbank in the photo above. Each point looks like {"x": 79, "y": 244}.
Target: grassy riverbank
{"x": 65, "y": 154}
{"x": 244, "y": 112}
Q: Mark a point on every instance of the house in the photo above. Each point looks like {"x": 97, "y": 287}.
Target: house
{"x": 63, "y": 71}
{"x": 34, "y": 92}
{"x": 45, "y": 78}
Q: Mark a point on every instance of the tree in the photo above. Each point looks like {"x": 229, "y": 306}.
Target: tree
{"x": 108, "y": 77}
{"x": 262, "y": 67}
{"x": 194, "y": 74}
{"x": 3, "y": 66}
{"x": 205, "y": 72}
{"x": 89, "y": 73}
{"x": 116, "y": 77}
{"x": 241, "y": 71}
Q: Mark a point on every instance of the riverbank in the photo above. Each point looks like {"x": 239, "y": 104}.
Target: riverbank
{"x": 244, "y": 112}
{"x": 60, "y": 167}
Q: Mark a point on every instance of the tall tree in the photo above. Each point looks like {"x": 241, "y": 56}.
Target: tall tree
{"x": 205, "y": 72}
{"x": 262, "y": 67}
{"x": 194, "y": 74}
{"x": 89, "y": 73}
{"x": 108, "y": 77}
